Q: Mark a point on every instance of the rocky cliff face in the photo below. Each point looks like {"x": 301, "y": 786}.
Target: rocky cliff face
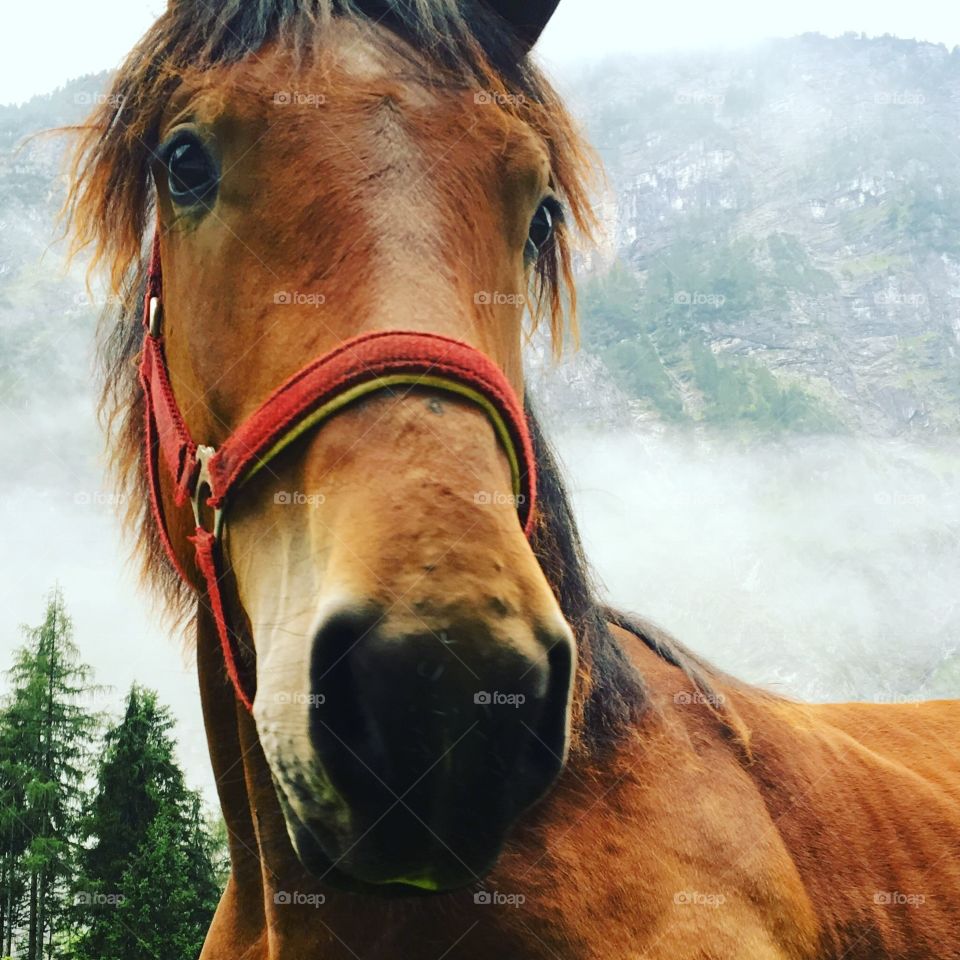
{"x": 794, "y": 208}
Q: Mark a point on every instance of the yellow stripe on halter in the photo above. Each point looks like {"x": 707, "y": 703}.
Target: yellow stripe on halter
{"x": 341, "y": 400}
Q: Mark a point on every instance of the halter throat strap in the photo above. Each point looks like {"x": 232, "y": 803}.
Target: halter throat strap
{"x": 204, "y": 475}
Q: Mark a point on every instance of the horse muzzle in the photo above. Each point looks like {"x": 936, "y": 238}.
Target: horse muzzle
{"x": 433, "y": 741}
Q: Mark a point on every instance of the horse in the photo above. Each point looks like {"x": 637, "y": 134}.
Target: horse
{"x": 431, "y": 736}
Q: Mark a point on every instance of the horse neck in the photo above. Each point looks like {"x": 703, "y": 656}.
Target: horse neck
{"x": 263, "y": 864}
{"x": 241, "y": 909}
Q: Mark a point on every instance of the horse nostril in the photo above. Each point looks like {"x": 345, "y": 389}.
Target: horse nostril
{"x": 340, "y": 715}
{"x": 546, "y": 749}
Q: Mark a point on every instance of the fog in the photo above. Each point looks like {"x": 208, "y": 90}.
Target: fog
{"x": 59, "y": 524}
{"x": 824, "y": 568}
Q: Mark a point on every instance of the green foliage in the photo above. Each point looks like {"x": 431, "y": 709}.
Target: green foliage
{"x": 128, "y": 869}
{"x": 655, "y": 338}
{"x": 147, "y": 884}
{"x": 45, "y": 732}
{"x": 636, "y": 366}
{"x": 219, "y": 850}
{"x": 738, "y": 391}
{"x": 926, "y": 215}
{"x": 609, "y": 306}
{"x": 793, "y": 271}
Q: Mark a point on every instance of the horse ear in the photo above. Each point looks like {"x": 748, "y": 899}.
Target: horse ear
{"x": 526, "y": 17}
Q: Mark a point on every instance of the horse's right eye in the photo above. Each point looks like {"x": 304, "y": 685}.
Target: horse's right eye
{"x": 543, "y": 227}
{"x": 192, "y": 176}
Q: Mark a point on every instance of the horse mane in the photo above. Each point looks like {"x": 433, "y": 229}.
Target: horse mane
{"x": 614, "y": 695}
{"x": 110, "y": 207}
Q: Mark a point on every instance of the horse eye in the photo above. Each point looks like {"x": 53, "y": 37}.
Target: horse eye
{"x": 191, "y": 174}
{"x": 541, "y": 228}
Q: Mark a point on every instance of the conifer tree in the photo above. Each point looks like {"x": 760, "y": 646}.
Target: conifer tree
{"x": 45, "y": 734}
{"x": 147, "y": 887}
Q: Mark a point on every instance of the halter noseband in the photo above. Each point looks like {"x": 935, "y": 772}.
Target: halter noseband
{"x": 354, "y": 369}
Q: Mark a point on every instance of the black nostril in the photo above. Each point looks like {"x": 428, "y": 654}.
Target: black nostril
{"x": 339, "y": 723}
{"x": 546, "y": 747}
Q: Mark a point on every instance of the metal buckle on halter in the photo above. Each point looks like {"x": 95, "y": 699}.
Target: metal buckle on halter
{"x": 204, "y": 453}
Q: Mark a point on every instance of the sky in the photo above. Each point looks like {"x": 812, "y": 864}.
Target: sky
{"x": 44, "y": 44}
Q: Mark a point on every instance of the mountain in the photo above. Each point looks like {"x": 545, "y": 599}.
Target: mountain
{"x": 782, "y": 244}
{"x": 47, "y": 316}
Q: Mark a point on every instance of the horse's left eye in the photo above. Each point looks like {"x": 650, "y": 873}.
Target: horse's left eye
{"x": 541, "y": 228}
{"x": 192, "y": 177}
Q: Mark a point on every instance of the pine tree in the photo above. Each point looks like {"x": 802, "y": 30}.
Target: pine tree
{"x": 148, "y": 886}
{"x": 45, "y": 732}
{"x": 13, "y": 840}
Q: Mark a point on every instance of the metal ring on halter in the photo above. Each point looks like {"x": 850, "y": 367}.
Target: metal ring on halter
{"x": 203, "y": 482}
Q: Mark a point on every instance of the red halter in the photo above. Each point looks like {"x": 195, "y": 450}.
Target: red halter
{"x": 357, "y": 367}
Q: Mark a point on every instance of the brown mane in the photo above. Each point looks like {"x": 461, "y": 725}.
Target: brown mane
{"x": 110, "y": 208}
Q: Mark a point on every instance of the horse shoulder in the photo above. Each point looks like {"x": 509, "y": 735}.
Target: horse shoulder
{"x": 712, "y": 875}
{"x": 867, "y": 800}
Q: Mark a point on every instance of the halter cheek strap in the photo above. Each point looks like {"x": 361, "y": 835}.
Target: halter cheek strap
{"x": 356, "y": 368}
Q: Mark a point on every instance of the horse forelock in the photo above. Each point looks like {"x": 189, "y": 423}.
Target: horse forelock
{"x": 110, "y": 202}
